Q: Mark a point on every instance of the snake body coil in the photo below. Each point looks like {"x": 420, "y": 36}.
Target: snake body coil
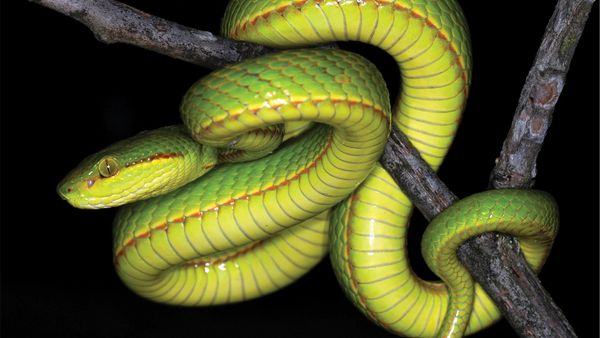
{"x": 246, "y": 229}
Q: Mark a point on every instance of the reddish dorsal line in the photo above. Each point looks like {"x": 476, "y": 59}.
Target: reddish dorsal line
{"x": 276, "y": 106}
{"x": 199, "y": 214}
{"x": 298, "y": 4}
{"x": 157, "y": 156}
{"x": 153, "y": 157}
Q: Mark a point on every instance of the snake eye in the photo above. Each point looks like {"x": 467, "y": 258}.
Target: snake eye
{"x": 108, "y": 167}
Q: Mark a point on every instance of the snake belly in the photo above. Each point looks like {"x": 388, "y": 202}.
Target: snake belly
{"x": 245, "y": 230}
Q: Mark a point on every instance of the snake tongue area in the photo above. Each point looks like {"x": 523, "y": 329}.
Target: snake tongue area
{"x": 135, "y": 169}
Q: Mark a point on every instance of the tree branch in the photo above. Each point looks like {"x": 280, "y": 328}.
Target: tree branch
{"x": 416, "y": 178}
{"x": 113, "y": 21}
{"x": 494, "y": 260}
{"x": 516, "y": 166}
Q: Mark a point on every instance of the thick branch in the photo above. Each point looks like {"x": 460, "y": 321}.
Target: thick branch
{"x": 112, "y": 21}
{"x": 494, "y": 259}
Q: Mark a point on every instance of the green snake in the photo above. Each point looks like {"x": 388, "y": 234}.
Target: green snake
{"x": 269, "y": 204}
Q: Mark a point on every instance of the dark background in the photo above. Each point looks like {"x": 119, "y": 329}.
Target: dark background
{"x": 66, "y": 95}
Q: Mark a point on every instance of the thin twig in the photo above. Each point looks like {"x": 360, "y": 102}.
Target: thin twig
{"x": 112, "y": 22}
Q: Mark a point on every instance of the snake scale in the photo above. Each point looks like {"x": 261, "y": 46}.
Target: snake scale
{"x": 270, "y": 204}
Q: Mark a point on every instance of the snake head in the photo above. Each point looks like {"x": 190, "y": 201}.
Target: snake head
{"x": 143, "y": 166}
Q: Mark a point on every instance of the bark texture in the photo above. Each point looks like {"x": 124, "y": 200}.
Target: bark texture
{"x": 113, "y": 21}
{"x": 516, "y": 166}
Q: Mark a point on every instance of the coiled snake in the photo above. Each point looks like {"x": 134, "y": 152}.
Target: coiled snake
{"x": 251, "y": 226}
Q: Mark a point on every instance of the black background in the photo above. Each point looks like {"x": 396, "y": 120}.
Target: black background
{"x": 66, "y": 95}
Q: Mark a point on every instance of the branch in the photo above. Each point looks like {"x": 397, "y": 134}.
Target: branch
{"x": 512, "y": 284}
{"x": 516, "y": 166}
{"x": 416, "y": 178}
{"x": 112, "y": 21}
{"x": 494, "y": 260}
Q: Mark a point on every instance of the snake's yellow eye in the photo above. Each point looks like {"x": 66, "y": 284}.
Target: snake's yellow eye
{"x": 108, "y": 167}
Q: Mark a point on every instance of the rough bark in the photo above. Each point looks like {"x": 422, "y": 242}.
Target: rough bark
{"x": 418, "y": 181}
{"x": 516, "y": 166}
{"x": 113, "y": 21}
{"x": 494, "y": 259}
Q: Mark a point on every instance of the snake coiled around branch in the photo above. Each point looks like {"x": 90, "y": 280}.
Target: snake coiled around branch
{"x": 234, "y": 204}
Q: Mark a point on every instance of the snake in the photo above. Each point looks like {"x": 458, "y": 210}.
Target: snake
{"x": 276, "y": 165}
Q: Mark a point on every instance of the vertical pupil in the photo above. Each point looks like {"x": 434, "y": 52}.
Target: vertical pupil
{"x": 108, "y": 167}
